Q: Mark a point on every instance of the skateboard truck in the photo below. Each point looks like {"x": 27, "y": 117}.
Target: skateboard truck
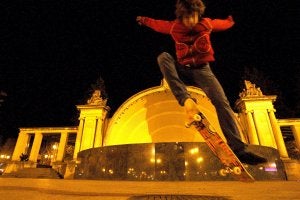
{"x": 229, "y": 170}
{"x": 196, "y": 118}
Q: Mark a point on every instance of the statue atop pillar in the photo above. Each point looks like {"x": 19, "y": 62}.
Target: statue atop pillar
{"x": 98, "y": 96}
{"x": 97, "y": 99}
{"x": 251, "y": 90}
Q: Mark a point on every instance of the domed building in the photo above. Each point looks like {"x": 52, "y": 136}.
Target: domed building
{"x": 146, "y": 139}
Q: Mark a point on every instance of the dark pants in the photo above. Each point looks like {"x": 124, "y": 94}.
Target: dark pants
{"x": 178, "y": 76}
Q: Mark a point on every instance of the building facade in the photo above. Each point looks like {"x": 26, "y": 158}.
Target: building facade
{"x": 154, "y": 116}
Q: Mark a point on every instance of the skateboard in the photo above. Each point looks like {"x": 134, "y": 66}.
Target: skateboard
{"x": 231, "y": 164}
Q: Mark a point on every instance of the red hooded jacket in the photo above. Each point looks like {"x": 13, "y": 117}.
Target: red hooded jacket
{"x": 193, "y": 46}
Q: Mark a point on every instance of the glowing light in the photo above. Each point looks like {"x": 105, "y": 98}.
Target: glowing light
{"x": 186, "y": 163}
{"x": 130, "y": 170}
{"x": 272, "y": 167}
{"x": 199, "y": 160}
{"x": 194, "y": 150}
{"x": 153, "y": 151}
{"x": 54, "y": 146}
{"x": 3, "y": 156}
{"x": 158, "y": 160}
{"x": 152, "y": 160}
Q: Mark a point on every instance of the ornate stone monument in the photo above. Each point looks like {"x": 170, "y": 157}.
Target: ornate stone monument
{"x": 146, "y": 140}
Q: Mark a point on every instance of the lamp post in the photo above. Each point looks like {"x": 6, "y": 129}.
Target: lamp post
{"x": 54, "y": 152}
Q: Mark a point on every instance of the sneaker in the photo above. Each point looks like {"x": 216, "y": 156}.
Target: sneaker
{"x": 191, "y": 108}
{"x": 250, "y": 158}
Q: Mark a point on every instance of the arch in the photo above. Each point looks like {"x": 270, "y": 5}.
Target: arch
{"x": 154, "y": 115}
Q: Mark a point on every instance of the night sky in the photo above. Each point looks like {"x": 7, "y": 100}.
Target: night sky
{"x": 52, "y": 51}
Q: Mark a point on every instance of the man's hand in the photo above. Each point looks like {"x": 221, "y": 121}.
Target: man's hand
{"x": 230, "y": 18}
{"x": 138, "y": 19}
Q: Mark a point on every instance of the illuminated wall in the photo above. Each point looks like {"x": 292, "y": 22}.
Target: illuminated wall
{"x": 153, "y": 116}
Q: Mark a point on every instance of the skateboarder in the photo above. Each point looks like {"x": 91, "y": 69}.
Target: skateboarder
{"x": 191, "y": 34}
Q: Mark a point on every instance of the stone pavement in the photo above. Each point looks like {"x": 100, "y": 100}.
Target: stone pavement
{"x": 54, "y": 189}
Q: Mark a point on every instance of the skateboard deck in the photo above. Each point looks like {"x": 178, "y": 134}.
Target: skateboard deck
{"x": 231, "y": 164}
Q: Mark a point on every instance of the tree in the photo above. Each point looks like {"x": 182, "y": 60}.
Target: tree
{"x": 296, "y": 92}
{"x": 8, "y": 147}
{"x": 24, "y": 157}
{"x": 2, "y": 96}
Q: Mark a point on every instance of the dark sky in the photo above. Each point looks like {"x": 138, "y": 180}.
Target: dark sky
{"x": 52, "y": 51}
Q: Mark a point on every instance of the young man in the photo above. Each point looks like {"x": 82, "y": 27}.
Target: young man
{"x": 191, "y": 34}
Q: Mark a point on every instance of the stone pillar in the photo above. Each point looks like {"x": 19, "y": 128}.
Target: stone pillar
{"x": 88, "y": 135}
{"x": 252, "y": 134}
{"x": 98, "y": 133}
{"x": 264, "y": 129}
{"x": 36, "y": 147}
{"x": 296, "y": 132}
{"x": 278, "y": 135}
{"x": 100, "y": 127}
{"x": 61, "y": 147}
{"x": 93, "y": 127}
{"x": 252, "y": 100}
{"x": 260, "y": 134}
{"x": 78, "y": 137}
{"x": 21, "y": 145}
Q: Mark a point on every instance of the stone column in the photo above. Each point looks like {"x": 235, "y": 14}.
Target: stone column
{"x": 61, "y": 147}
{"x": 93, "y": 128}
{"x": 296, "y": 132}
{"x": 264, "y": 129}
{"x": 100, "y": 129}
{"x": 78, "y": 137}
{"x": 98, "y": 134}
{"x": 251, "y": 129}
{"x": 36, "y": 147}
{"x": 88, "y": 135}
{"x": 278, "y": 135}
{"x": 21, "y": 145}
{"x": 259, "y": 134}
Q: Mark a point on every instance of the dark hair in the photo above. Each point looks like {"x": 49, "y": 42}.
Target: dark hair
{"x": 187, "y": 7}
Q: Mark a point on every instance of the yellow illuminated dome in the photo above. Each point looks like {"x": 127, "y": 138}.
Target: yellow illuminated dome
{"x": 153, "y": 116}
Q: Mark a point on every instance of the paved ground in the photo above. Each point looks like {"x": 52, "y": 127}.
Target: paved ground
{"x": 53, "y": 189}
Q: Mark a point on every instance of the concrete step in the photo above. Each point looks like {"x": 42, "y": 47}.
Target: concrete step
{"x": 45, "y": 173}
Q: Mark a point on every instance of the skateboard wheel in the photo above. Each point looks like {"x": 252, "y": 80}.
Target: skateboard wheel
{"x": 237, "y": 170}
{"x": 223, "y": 172}
{"x": 187, "y": 125}
{"x": 197, "y": 118}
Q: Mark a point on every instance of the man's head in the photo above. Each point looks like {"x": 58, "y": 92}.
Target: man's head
{"x": 189, "y": 11}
